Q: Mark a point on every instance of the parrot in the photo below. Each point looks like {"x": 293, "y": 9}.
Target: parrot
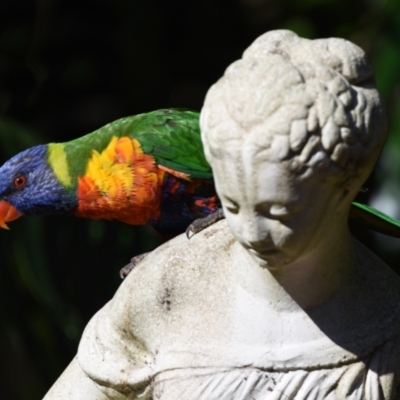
{"x": 143, "y": 169}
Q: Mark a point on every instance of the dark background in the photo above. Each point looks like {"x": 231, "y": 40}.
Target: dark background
{"x": 68, "y": 67}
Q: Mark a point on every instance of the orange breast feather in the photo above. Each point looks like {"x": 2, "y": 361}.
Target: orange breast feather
{"x": 121, "y": 183}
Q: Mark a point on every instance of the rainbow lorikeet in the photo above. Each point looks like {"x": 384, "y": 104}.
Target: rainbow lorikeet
{"x": 145, "y": 169}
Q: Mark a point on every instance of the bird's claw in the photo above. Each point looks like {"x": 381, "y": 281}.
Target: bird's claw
{"x": 201, "y": 223}
{"x": 124, "y": 271}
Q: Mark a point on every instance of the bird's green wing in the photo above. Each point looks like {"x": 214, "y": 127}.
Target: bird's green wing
{"x": 374, "y": 219}
{"x": 172, "y": 137}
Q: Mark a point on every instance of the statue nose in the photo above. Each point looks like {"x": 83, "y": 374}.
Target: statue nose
{"x": 254, "y": 233}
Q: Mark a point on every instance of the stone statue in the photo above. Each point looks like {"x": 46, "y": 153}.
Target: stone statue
{"x": 279, "y": 301}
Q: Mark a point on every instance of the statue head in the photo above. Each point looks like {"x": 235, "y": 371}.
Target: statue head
{"x": 292, "y": 131}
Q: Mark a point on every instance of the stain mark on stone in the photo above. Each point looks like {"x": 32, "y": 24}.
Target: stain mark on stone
{"x": 229, "y": 244}
{"x": 210, "y": 232}
{"x": 166, "y": 299}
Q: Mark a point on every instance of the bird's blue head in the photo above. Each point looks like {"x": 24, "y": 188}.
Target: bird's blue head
{"x": 29, "y": 186}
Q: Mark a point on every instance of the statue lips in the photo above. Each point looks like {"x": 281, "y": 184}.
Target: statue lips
{"x": 262, "y": 248}
{"x": 8, "y": 213}
{"x": 262, "y": 251}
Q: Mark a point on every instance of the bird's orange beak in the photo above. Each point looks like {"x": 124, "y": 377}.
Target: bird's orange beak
{"x": 8, "y": 213}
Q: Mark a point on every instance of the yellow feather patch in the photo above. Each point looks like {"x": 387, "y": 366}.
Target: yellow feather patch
{"x": 111, "y": 173}
{"x": 121, "y": 182}
{"x": 58, "y": 162}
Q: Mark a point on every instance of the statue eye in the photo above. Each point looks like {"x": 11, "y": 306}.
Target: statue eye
{"x": 231, "y": 206}
{"x": 20, "y": 181}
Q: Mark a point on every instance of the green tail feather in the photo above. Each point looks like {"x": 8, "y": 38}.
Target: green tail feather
{"x": 374, "y": 219}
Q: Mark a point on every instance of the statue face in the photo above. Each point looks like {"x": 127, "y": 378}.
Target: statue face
{"x": 278, "y": 217}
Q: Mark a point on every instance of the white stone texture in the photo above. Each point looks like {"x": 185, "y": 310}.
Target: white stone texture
{"x": 284, "y": 82}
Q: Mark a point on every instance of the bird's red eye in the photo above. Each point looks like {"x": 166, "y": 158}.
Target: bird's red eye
{"x": 20, "y": 181}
